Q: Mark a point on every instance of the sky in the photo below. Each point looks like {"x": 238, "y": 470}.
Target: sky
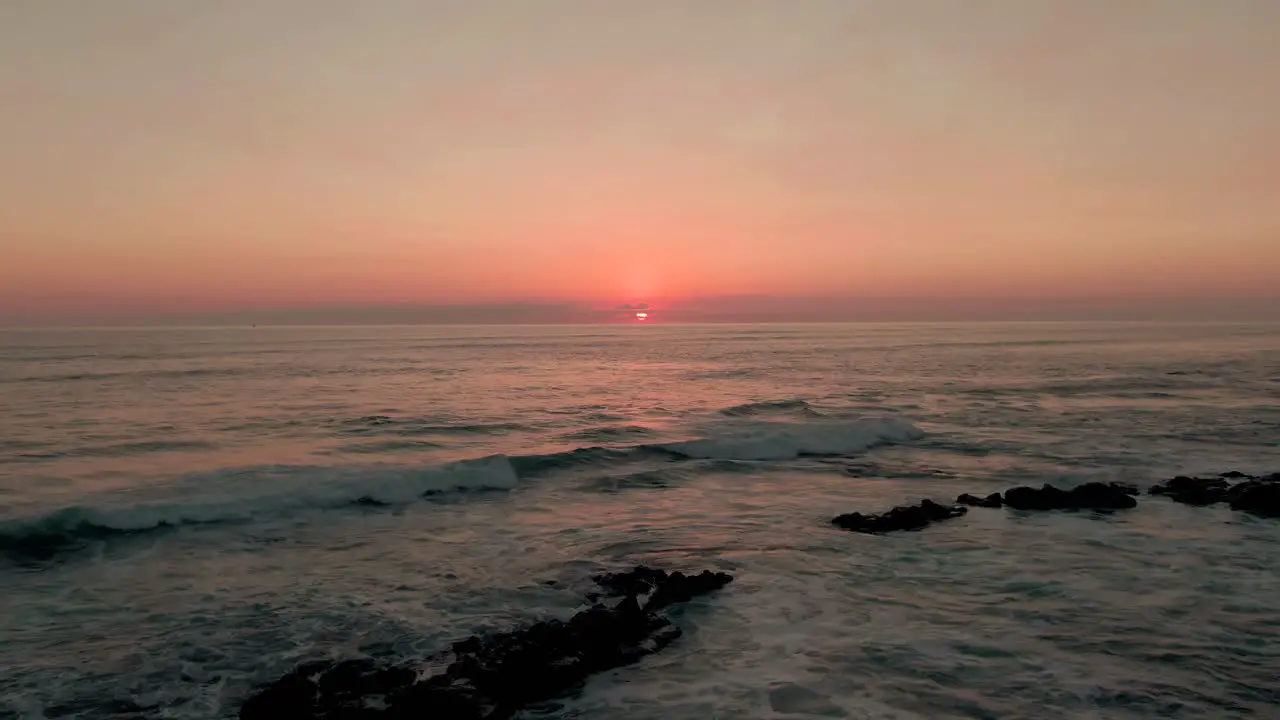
{"x": 483, "y": 160}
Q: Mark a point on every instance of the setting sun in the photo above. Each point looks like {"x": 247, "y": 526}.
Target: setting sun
{"x": 642, "y": 316}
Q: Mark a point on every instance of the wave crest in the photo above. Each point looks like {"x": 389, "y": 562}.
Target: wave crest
{"x": 787, "y": 441}
{"x": 772, "y": 407}
{"x": 242, "y": 494}
{"x": 245, "y": 493}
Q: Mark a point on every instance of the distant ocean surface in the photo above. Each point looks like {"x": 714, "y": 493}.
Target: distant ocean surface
{"x": 186, "y": 513}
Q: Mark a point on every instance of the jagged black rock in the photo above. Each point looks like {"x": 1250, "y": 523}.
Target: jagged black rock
{"x": 493, "y": 677}
{"x": 907, "y": 517}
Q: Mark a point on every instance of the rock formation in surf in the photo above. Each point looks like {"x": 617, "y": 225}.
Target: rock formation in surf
{"x": 1255, "y": 495}
{"x": 991, "y": 501}
{"x": 907, "y": 517}
{"x": 1192, "y": 490}
{"x": 663, "y": 588}
{"x": 494, "y": 676}
{"x": 1258, "y": 497}
{"x": 1095, "y": 496}
{"x": 1089, "y": 496}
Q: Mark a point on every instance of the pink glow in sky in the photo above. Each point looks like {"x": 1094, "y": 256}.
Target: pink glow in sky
{"x": 187, "y": 157}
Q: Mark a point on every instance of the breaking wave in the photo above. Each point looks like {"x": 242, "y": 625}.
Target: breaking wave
{"x": 531, "y": 466}
{"x": 243, "y": 494}
{"x": 787, "y": 441}
{"x": 246, "y": 493}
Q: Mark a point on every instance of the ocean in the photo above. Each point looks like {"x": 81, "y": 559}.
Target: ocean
{"x": 188, "y": 513}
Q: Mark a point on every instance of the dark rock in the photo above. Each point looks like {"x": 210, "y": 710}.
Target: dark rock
{"x": 493, "y": 676}
{"x": 1257, "y": 497}
{"x": 683, "y": 588}
{"x": 1089, "y": 496}
{"x": 1193, "y": 491}
{"x": 909, "y": 517}
{"x": 991, "y": 501}
{"x": 1028, "y": 498}
{"x": 294, "y": 695}
{"x": 363, "y": 677}
{"x": 1183, "y": 483}
{"x": 666, "y": 588}
{"x": 1200, "y": 497}
{"x": 639, "y": 581}
{"x": 1126, "y": 488}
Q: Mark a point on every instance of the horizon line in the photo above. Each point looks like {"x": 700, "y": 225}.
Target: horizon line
{"x": 677, "y": 323}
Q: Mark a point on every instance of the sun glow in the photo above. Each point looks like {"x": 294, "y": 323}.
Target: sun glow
{"x": 642, "y": 316}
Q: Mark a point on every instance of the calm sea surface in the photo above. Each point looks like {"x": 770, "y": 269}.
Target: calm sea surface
{"x": 186, "y": 513}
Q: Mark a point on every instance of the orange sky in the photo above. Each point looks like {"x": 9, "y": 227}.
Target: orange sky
{"x": 181, "y": 156}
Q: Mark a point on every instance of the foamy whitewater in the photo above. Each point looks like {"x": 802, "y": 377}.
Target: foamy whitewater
{"x": 187, "y": 513}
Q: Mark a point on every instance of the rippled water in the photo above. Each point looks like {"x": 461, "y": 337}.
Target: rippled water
{"x": 184, "y": 513}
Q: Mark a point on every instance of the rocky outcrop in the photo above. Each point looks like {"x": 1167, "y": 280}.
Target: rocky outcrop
{"x": 909, "y": 517}
{"x": 1126, "y": 488}
{"x": 1256, "y": 495}
{"x": 494, "y": 676}
{"x": 1192, "y": 490}
{"x": 662, "y": 588}
{"x": 1089, "y": 496}
{"x": 991, "y": 501}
